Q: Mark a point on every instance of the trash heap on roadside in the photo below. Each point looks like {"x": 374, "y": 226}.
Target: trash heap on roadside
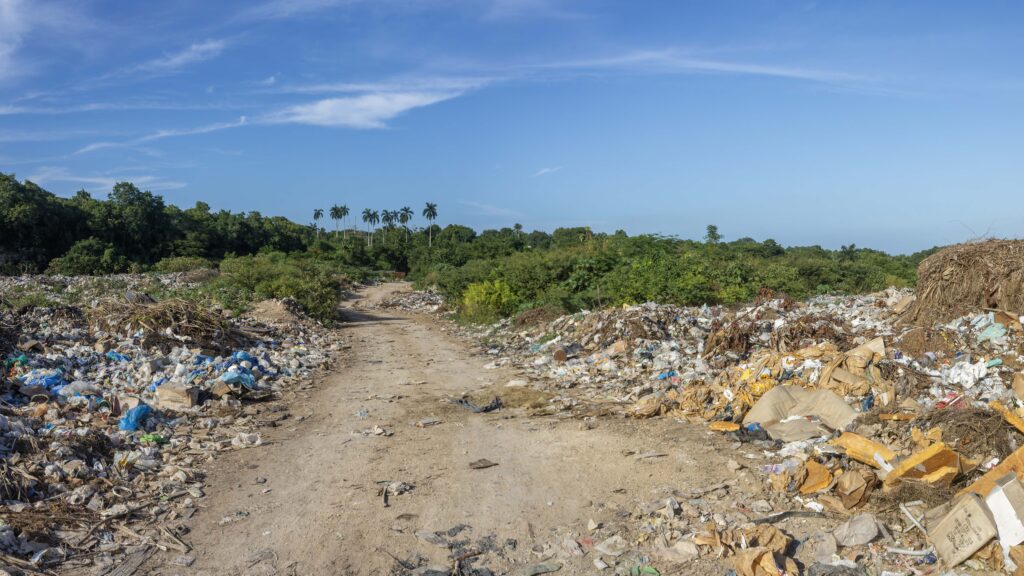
{"x": 896, "y": 417}
{"x": 109, "y": 412}
{"x": 428, "y": 302}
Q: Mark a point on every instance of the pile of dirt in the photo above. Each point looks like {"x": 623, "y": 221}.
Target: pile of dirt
{"x": 537, "y": 316}
{"x": 965, "y": 278}
{"x": 917, "y": 341}
{"x": 275, "y": 312}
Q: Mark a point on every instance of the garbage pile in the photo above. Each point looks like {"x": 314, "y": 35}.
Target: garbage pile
{"x": 427, "y": 302}
{"x": 109, "y": 413}
{"x": 906, "y": 439}
{"x": 88, "y": 290}
{"x": 968, "y": 277}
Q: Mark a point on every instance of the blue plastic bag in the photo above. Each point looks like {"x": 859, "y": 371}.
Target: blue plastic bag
{"x": 51, "y": 380}
{"x": 867, "y": 403}
{"x": 239, "y": 377}
{"x": 156, "y": 384}
{"x": 133, "y": 419}
{"x": 117, "y": 356}
{"x": 243, "y": 356}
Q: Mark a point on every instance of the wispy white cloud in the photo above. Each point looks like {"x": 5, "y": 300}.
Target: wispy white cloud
{"x": 673, "y": 61}
{"x": 172, "y": 62}
{"x": 363, "y": 111}
{"x": 400, "y": 84}
{"x": 482, "y": 209}
{"x": 487, "y": 9}
{"x": 194, "y": 53}
{"x": 13, "y": 27}
{"x": 161, "y": 134}
{"x": 44, "y": 135}
{"x": 55, "y": 174}
{"x": 366, "y": 111}
{"x": 215, "y": 127}
{"x": 520, "y": 9}
{"x": 12, "y": 110}
{"x": 269, "y": 80}
{"x": 49, "y": 22}
{"x": 279, "y": 9}
{"x": 544, "y": 171}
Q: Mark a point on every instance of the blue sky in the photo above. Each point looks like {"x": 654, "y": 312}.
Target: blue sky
{"x": 891, "y": 125}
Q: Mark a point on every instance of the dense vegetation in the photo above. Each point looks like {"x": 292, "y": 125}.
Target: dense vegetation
{"x": 491, "y": 274}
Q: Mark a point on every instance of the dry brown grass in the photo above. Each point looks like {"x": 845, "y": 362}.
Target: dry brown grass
{"x": 967, "y": 278}
{"x": 187, "y": 321}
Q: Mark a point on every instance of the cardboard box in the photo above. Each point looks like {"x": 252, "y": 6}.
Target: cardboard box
{"x": 1006, "y": 502}
{"x": 176, "y": 397}
{"x": 963, "y": 531}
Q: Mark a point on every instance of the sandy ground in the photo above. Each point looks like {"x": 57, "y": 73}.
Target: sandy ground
{"x": 308, "y": 501}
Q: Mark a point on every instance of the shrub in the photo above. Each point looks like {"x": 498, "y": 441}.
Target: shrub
{"x": 487, "y": 301}
{"x": 246, "y": 279}
{"x": 182, "y": 264}
{"x": 90, "y": 257}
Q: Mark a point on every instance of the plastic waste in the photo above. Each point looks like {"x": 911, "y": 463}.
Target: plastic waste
{"x": 239, "y": 377}
{"x": 80, "y": 388}
{"x": 152, "y": 438}
{"x": 133, "y": 419}
{"x": 50, "y": 380}
{"x": 993, "y": 332}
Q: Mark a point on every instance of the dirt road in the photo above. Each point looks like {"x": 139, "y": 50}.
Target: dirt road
{"x": 309, "y": 501}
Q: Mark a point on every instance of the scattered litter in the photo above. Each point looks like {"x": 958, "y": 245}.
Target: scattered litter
{"x": 490, "y": 407}
{"x": 109, "y": 409}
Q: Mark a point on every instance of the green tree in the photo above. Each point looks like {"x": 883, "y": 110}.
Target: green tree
{"x": 712, "y": 236}
{"x": 336, "y": 215}
{"x": 405, "y": 216}
{"x": 135, "y": 222}
{"x": 430, "y": 213}
{"x": 388, "y": 218}
{"x": 318, "y": 213}
{"x": 89, "y": 257}
{"x": 367, "y": 218}
{"x": 343, "y": 212}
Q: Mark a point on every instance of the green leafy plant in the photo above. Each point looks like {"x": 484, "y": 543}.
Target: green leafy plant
{"x": 488, "y": 301}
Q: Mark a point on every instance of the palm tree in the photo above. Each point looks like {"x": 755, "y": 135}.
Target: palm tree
{"x": 430, "y": 213}
{"x": 343, "y": 213}
{"x": 405, "y": 216}
{"x": 317, "y": 215}
{"x": 387, "y": 217}
{"x": 374, "y": 219}
{"x": 396, "y": 217}
{"x": 336, "y": 215}
{"x": 518, "y": 228}
{"x": 367, "y": 219}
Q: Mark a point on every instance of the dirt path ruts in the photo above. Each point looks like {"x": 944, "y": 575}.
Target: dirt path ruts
{"x": 319, "y": 510}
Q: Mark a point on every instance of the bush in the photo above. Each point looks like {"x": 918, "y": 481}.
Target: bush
{"x": 488, "y": 301}
{"x": 247, "y": 279}
{"x": 90, "y": 257}
{"x": 182, "y": 264}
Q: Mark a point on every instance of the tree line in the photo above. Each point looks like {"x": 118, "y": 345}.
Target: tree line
{"x": 509, "y": 268}
{"x": 371, "y": 217}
